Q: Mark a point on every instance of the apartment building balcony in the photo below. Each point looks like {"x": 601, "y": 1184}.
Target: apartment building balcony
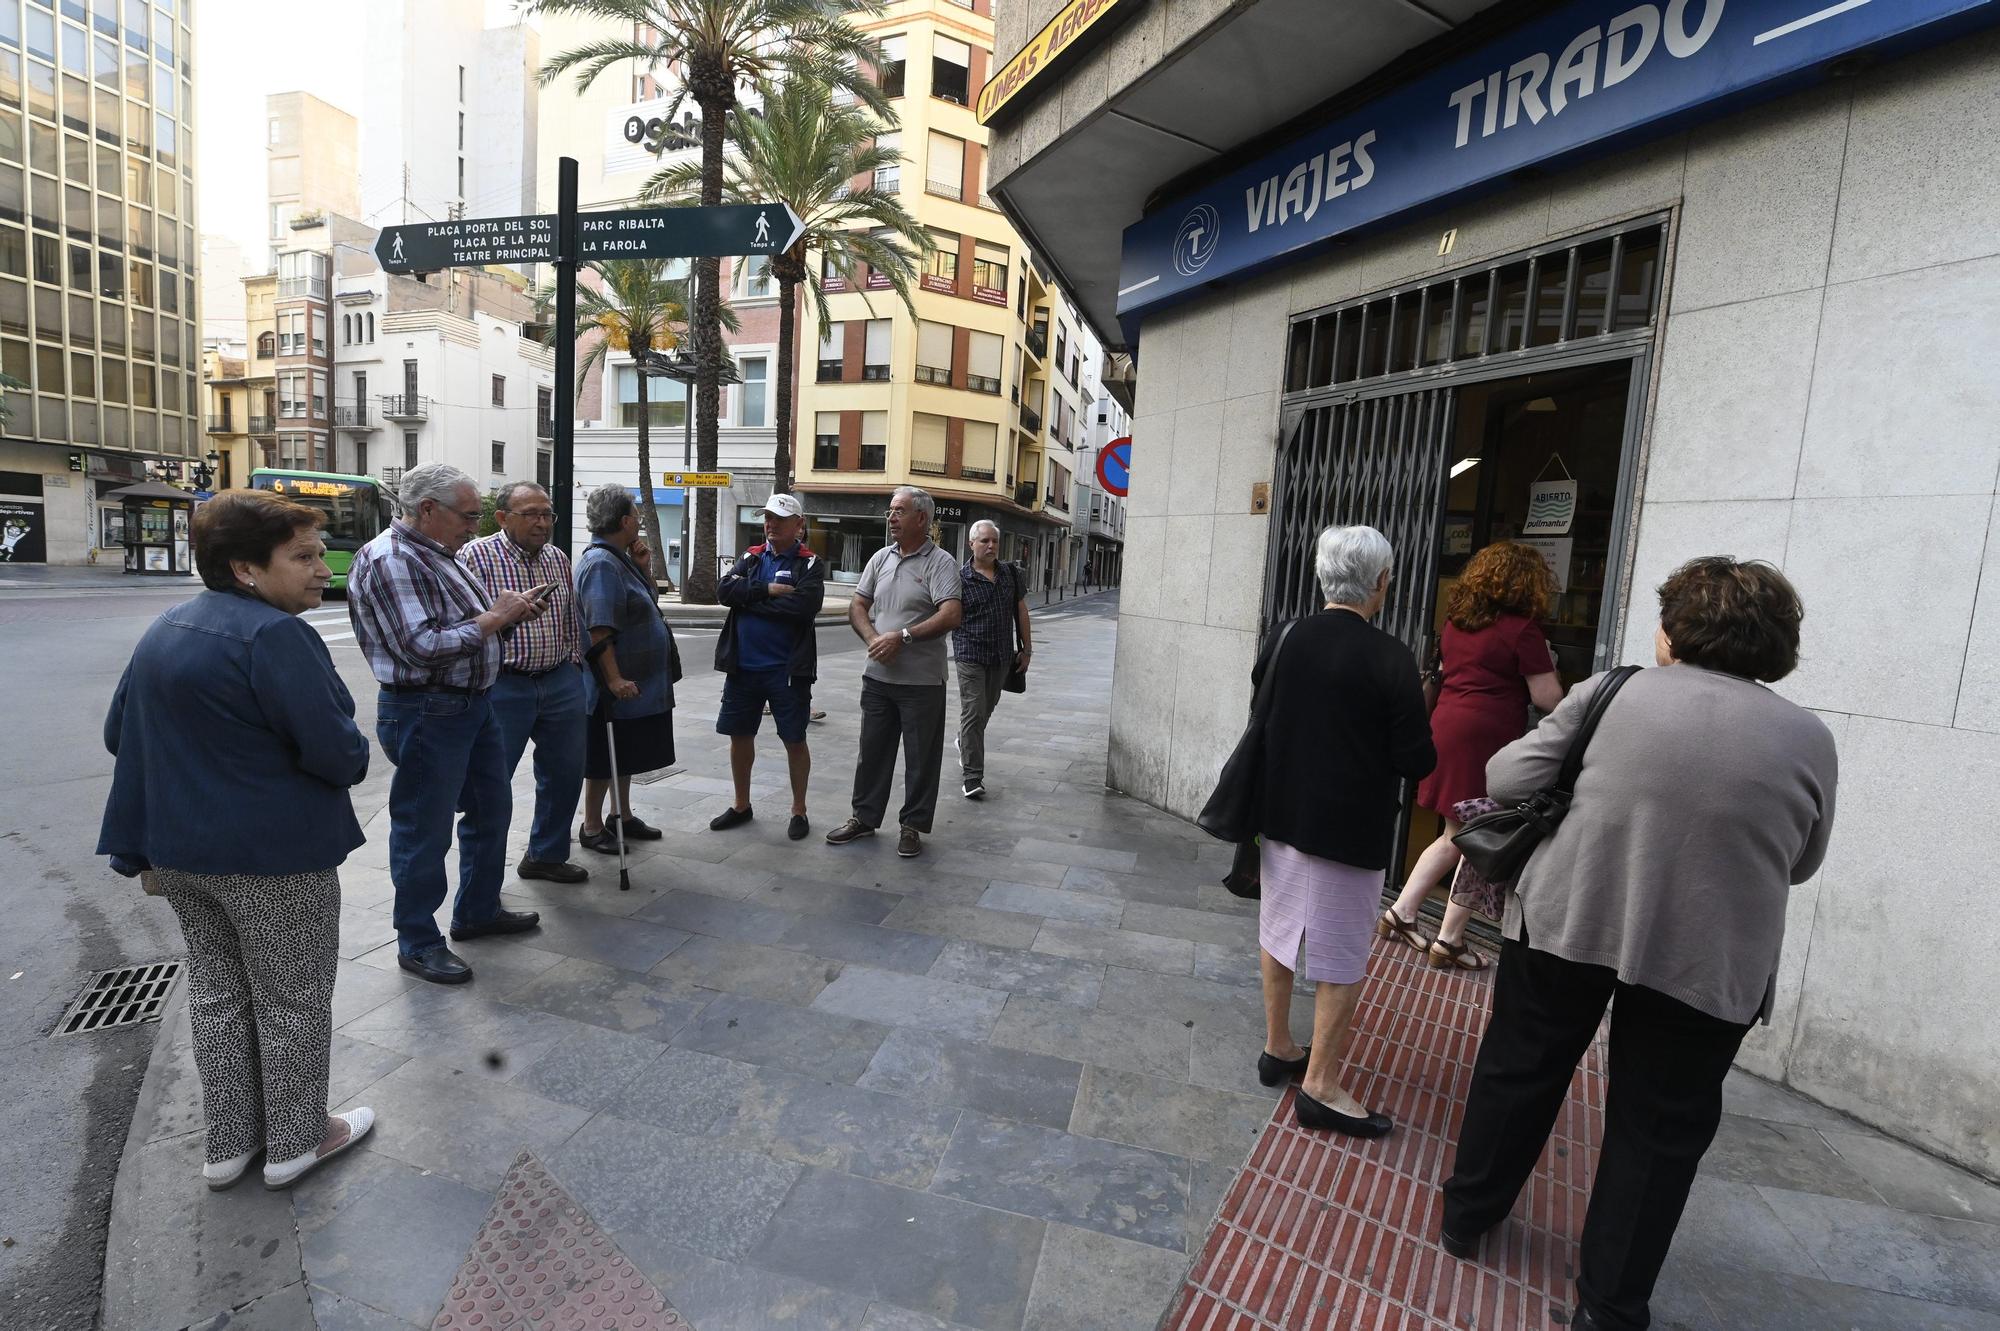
{"x": 406, "y": 407}
{"x": 1037, "y": 342}
{"x": 545, "y": 427}
{"x": 1031, "y": 420}
{"x": 225, "y": 425}
{"x": 263, "y": 425}
{"x": 354, "y": 416}
{"x": 1024, "y": 494}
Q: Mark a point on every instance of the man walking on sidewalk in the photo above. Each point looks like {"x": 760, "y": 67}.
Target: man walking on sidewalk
{"x": 906, "y": 601}
{"x": 983, "y": 646}
{"x": 768, "y": 654}
{"x": 431, "y": 634}
{"x": 539, "y": 694}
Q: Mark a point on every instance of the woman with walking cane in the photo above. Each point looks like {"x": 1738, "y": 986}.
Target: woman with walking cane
{"x": 631, "y": 651}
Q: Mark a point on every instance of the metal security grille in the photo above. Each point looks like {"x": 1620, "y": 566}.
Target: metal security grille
{"x": 123, "y": 997}
{"x": 1379, "y": 462}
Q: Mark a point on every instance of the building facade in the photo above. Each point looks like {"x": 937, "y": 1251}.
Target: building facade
{"x": 1763, "y": 328}
{"x": 98, "y": 289}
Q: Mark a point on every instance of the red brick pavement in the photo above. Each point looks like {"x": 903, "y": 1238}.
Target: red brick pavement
{"x": 1325, "y": 1233}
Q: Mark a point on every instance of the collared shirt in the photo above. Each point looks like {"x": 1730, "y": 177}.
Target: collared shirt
{"x": 413, "y": 609}
{"x": 904, "y": 591}
{"x": 553, "y": 638}
{"x": 986, "y": 637}
{"x": 613, "y": 594}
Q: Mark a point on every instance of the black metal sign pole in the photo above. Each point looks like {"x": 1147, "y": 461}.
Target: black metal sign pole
{"x": 564, "y": 479}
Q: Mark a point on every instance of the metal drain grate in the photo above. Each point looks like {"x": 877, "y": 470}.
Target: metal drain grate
{"x": 124, "y": 997}
{"x": 657, "y": 774}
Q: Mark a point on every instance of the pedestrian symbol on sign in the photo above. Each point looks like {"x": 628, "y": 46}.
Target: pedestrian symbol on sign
{"x": 396, "y": 250}
{"x": 763, "y": 230}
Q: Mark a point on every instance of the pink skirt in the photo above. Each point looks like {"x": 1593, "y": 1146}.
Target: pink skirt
{"x": 1328, "y": 907}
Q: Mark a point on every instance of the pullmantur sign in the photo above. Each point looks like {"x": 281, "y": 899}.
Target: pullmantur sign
{"x": 1049, "y": 51}
{"x": 1586, "y": 76}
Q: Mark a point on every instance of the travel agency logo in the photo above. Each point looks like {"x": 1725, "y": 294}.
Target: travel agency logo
{"x": 1196, "y": 241}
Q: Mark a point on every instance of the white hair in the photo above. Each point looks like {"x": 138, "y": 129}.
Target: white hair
{"x": 1350, "y": 562}
{"x": 604, "y": 508}
{"x": 987, "y": 523}
{"x": 434, "y": 480}
{"x": 921, "y": 498}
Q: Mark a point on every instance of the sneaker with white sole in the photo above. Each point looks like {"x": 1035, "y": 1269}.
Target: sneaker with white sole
{"x": 284, "y": 1173}
{"x": 974, "y": 790}
{"x": 220, "y": 1174}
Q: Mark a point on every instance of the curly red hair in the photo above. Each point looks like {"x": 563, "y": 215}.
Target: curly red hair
{"x": 1504, "y": 578}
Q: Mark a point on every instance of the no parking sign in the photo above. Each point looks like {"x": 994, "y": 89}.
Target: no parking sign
{"x": 1114, "y": 466}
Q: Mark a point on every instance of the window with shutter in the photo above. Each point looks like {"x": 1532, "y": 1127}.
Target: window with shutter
{"x": 927, "y": 444}
{"x": 983, "y": 364}
{"x": 832, "y": 343}
{"x": 944, "y": 170}
{"x": 875, "y": 361}
{"x": 933, "y": 352}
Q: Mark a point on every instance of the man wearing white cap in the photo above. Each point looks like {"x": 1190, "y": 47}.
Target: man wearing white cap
{"x": 769, "y": 655}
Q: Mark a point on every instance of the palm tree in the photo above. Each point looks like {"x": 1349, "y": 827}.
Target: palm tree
{"x": 806, "y": 151}
{"x": 636, "y": 306}
{"x": 721, "y": 48}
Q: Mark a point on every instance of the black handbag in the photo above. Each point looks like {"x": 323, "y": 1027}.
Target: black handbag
{"x": 1235, "y": 810}
{"x": 1017, "y": 678}
{"x": 1497, "y": 845}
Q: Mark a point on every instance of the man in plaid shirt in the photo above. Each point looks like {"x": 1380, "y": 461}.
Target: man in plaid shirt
{"x": 539, "y": 694}
{"x": 431, "y": 634}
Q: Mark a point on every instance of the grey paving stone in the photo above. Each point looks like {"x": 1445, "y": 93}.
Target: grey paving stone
{"x": 1110, "y": 1039}
{"x": 331, "y": 1312}
{"x": 1028, "y": 973}
{"x": 734, "y": 1296}
{"x": 889, "y": 1317}
{"x": 1209, "y": 1004}
{"x": 359, "y": 988}
{"x": 1211, "y": 895}
{"x": 498, "y": 964}
{"x": 1003, "y": 1083}
{"x": 1730, "y": 1224}
{"x": 1129, "y": 886}
{"x": 816, "y": 1044}
{"x": 456, "y": 1027}
{"x": 997, "y": 928}
{"x": 868, "y": 944}
{"x": 691, "y": 1191}
{"x": 1227, "y": 1061}
{"x": 895, "y": 999}
{"x": 1741, "y": 1300}
{"x": 834, "y": 1126}
{"x": 590, "y": 1067}
{"x": 465, "y": 1128}
{"x": 355, "y": 1066}
{"x": 399, "y": 1251}
{"x": 1208, "y": 1188}
{"x": 838, "y": 901}
{"x": 1168, "y": 1116}
{"x": 1032, "y": 1170}
{"x": 1053, "y": 903}
{"x": 972, "y": 864}
{"x": 615, "y": 999}
{"x": 1782, "y": 1155}
{"x": 725, "y": 879}
{"x": 775, "y": 973}
{"x": 931, "y": 1254}
{"x": 632, "y": 944}
{"x": 325, "y": 1193}
{"x": 363, "y": 930}
{"x": 1753, "y": 1097}
{"x": 1226, "y": 963}
{"x": 1075, "y": 853}
{"x": 1912, "y": 1181}
{"x": 719, "y": 917}
{"x": 1088, "y": 1279}
{"x": 1923, "y": 1257}
{"x": 683, "y": 1091}
{"x": 1116, "y": 947}
{"x": 285, "y": 1309}
{"x": 1197, "y": 926}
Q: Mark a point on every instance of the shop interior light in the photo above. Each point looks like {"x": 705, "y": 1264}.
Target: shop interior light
{"x": 1463, "y": 465}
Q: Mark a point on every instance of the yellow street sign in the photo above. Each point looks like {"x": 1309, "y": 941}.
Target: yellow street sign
{"x": 697, "y": 480}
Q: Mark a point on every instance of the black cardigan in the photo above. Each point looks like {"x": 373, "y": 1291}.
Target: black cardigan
{"x": 1347, "y": 726}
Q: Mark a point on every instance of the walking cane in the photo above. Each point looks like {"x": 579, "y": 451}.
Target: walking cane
{"x": 607, "y": 703}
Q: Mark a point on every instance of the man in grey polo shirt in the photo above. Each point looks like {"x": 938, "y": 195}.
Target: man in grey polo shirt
{"x": 904, "y": 606}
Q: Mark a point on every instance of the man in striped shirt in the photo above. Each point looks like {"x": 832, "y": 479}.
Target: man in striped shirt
{"x": 539, "y": 694}
{"x": 431, "y": 634}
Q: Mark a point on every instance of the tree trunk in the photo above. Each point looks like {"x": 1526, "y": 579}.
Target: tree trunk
{"x": 788, "y": 319}
{"x": 649, "y": 511}
{"x": 714, "y": 95}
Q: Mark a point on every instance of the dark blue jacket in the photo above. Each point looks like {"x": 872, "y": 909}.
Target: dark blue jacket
{"x": 747, "y": 594}
{"x": 236, "y": 744}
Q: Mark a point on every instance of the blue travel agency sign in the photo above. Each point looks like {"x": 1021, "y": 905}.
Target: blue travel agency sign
{"x": 1586, "y": 76}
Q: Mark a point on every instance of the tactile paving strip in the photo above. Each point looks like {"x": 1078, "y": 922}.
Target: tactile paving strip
{"x": 1326, "y": 1233}
{"x": 541, "y": 1264}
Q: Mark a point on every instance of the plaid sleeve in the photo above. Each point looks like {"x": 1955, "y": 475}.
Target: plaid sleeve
{"x": 415, "y": 620}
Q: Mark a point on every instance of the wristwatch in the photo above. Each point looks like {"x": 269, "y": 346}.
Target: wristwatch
{"x": 907, "y": 639}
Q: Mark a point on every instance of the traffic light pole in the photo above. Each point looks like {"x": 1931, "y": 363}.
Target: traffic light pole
{"x": 562, "y": 494}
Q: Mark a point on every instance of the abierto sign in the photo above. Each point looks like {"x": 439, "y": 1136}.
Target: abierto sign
{"x": 1046, "y": 50}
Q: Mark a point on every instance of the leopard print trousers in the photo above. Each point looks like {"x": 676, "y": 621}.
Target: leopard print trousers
{"x": 261, "y": 958}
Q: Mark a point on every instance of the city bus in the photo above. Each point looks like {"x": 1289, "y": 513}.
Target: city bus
{"x": 355, "y": 509}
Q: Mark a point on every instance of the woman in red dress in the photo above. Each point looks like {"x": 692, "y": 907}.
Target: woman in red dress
{"x": 1496, "y": 661}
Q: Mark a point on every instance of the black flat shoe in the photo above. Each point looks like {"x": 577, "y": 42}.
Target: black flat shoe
{"x": 722, "y": 822}
{"x": 1582, "y": 1320}
{"x": 1316, "y": 1117}
{"x": 1465, "y": 1249}
{"x": 604, "y": 843}
{"x": 553, "y": 871}
{"x": 503, "y": 922}
{"x": 439, "y": 965}
{"x": 634, "y": 829}
{"x": 1272, "y": 1070}
{"x": 798, "y": 827}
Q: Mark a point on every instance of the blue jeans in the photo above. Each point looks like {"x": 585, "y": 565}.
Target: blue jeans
{"x": 548, "y": 710}
{"x": 449, "y": 759}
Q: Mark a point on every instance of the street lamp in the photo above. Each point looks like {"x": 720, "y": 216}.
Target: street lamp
{"x": 204, "y": 471}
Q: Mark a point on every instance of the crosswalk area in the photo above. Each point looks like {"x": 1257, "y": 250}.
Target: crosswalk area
{"x": 331, "y": 623}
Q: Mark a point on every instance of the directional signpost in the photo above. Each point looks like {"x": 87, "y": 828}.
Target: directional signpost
{"x": 696, "y": 480}
{"x": 566, "y": 237}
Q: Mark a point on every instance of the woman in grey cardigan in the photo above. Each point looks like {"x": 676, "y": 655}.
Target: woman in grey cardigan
{"x": 1703, "y": 797}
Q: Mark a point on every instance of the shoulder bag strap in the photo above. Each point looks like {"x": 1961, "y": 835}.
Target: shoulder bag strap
{"x": 1572, "y": 765}
{"x": 1259, "y": 703}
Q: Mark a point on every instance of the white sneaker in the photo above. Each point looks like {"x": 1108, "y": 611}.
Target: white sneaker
{"x": 228, "y": 1173}
{"x": 285, "y": 1173}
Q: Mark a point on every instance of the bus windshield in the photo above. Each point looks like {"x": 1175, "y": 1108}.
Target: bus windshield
{"x": 354, "y": 505}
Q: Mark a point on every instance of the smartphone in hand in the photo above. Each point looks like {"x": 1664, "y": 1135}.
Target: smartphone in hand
{"x": 541, "y": 593}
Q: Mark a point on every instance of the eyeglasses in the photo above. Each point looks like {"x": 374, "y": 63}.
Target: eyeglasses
{"x": 469, "y": 514}
{"x": 532, "y": 514}
{"x": 895, "y": 513}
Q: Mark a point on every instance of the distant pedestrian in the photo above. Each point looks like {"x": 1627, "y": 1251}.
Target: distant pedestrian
{"x": 236, "y": 745}
{"x": 431, "y": 633}
{"x": 769, "y": 656}
{"x": 540, "y": 693}
{"x": 1704, "y": 798}
{"x": 906, "y": 601}
{"x": 634, "y": 651}
{"x": 992, "y": 640}
{"x": 1346, "y": 729}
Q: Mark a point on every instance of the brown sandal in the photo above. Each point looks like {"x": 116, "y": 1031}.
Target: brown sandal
{"x": 1447, "y": 956}
{"x": 1392, "y": 925}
